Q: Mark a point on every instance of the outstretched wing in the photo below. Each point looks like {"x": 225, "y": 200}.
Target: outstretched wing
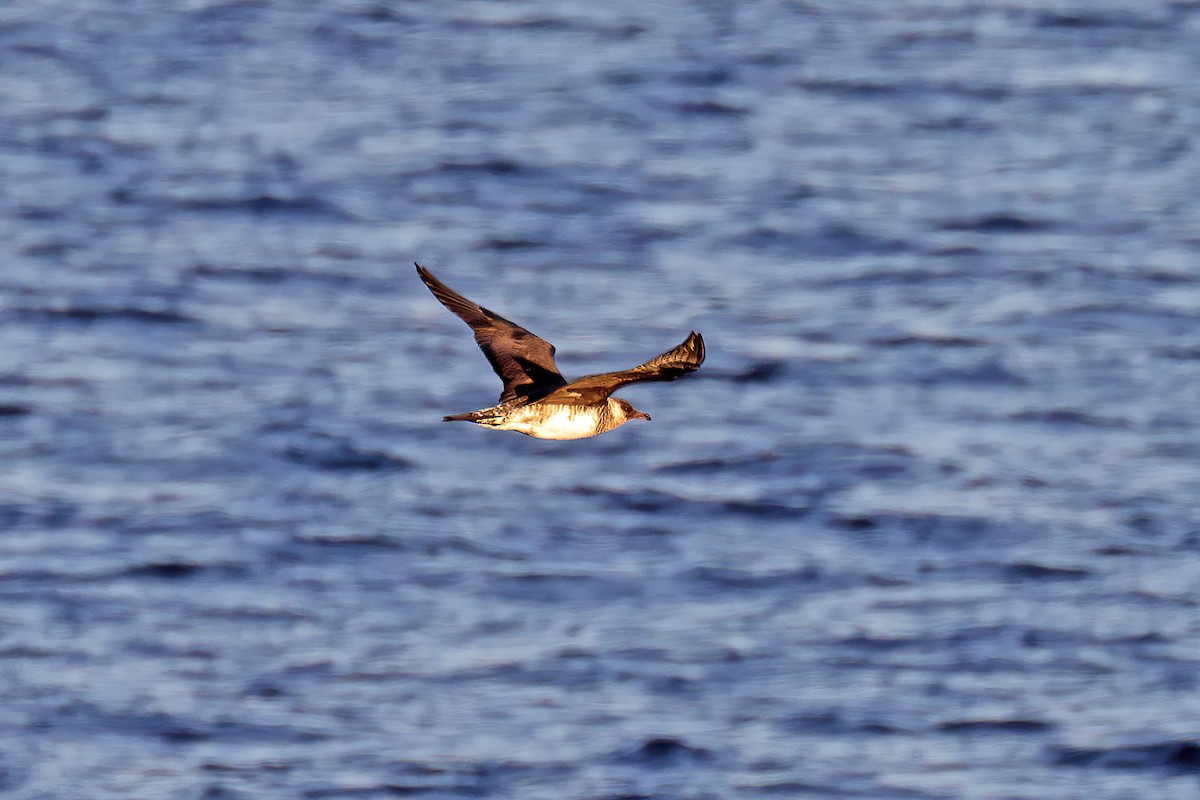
{"x": 673, "y": 364}
{"x": 523, "y": 361}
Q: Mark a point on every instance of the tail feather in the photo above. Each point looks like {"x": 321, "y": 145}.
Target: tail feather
{"x": 485, "y": 416}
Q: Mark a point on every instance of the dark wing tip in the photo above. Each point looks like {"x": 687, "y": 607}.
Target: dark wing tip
{"x": 697, "y": 342}
{"x": 467, "y": 310}
{"x": 685, "y": 357}
{"x": 689, "y": 355}
{"x": 425, "y": 275}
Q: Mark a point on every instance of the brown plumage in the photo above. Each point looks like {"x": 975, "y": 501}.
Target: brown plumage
{"x": 536, "y": 399}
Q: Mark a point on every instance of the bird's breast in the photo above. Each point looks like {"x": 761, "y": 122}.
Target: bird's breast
{"x": 555, "y": 421}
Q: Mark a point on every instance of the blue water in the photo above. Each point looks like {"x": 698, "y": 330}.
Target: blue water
{"x": 926, "y": 525}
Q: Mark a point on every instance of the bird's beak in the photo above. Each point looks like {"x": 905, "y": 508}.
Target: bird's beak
{"x": 640, "y": 415}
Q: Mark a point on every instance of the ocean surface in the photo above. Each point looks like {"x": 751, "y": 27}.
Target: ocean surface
{"x": 926, "y": 526}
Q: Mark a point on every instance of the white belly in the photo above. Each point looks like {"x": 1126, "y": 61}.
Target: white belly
{"x": 565, "y": 422}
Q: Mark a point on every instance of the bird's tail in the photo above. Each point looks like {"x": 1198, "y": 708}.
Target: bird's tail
{"x": 486, "y": 416}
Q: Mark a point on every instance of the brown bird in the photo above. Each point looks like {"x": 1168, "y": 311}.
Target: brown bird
{"x": 537, "y": 400}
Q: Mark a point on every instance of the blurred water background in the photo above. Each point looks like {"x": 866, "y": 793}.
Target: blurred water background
{"x": 925, "y": 526}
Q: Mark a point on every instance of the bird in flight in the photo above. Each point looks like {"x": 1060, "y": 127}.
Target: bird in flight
{"x": 537, "y": 400}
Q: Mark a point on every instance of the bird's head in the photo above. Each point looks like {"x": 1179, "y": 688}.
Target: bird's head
{"x": 627, "y": 411}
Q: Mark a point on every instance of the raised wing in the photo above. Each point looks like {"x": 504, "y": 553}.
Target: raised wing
{"x": 523, "y": 361}
{"x": 673, "y": 364}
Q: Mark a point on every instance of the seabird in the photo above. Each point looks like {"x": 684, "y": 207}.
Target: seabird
{"x": 537, "y": 400}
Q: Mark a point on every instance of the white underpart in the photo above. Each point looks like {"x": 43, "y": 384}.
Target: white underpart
{"x": 565, "y": 422}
